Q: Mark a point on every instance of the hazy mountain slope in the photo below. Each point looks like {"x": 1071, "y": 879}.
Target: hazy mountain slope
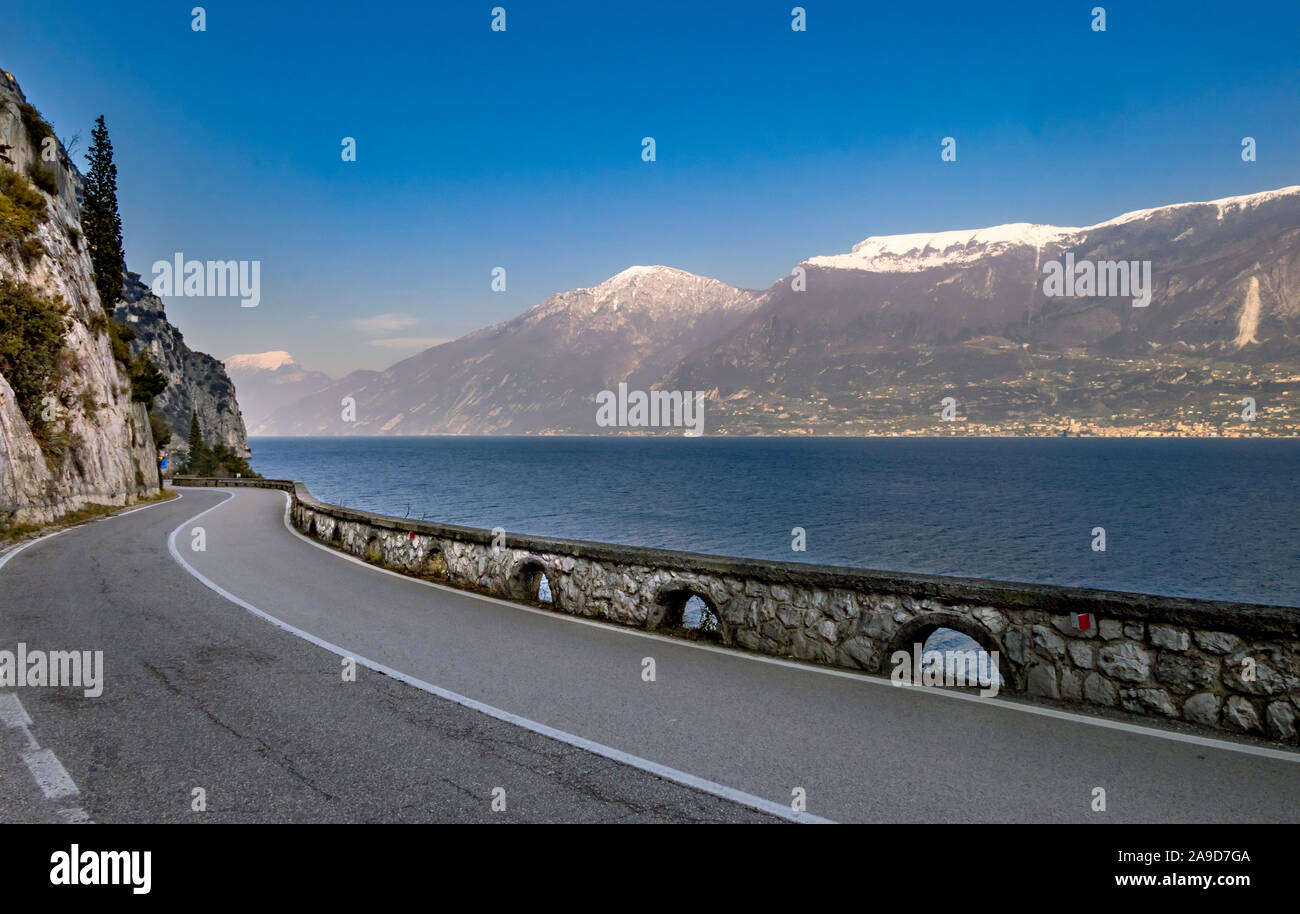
{"x": 540, "y": 371}
{"x": 267, "y": 381}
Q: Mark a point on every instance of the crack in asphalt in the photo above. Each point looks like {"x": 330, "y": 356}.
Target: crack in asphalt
{"x": 264, "y": 749}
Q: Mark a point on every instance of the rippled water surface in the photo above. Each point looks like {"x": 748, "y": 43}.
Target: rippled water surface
{"x": 1203, "y": 518}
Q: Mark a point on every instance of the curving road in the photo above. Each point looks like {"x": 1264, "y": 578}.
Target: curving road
{"x": 224, "y": 672}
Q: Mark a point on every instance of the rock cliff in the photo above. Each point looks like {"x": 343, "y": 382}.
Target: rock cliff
{"x": 70, "y": 434}
{"x": 195, "y": 380}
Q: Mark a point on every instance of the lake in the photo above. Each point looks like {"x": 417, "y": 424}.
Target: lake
{"x": 1212, "y": 518}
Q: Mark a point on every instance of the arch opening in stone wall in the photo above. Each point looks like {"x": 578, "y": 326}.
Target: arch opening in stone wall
{"x": 530, "y": 582}
{"x": 952, "y": 634}
{"x": 434, "y": 564}
{"x": 686, "y": 609}
{"x": 373, "y": 552}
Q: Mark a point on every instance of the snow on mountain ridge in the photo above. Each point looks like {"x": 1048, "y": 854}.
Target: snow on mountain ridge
{"x": 912, "y": 253}
{"x": 655, "y": 288}
{"x": 1225, "y": 204}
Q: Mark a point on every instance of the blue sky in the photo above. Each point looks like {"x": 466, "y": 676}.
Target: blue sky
{"x": 522, "y": 148}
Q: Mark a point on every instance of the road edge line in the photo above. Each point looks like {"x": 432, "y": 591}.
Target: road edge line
{"x": 7, "y": 555}
{"x": 617, "y": 755}
{"x": 1056, "y": 713}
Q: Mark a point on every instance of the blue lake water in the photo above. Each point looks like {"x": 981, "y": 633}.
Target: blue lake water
{"x": 1188, "y": 517}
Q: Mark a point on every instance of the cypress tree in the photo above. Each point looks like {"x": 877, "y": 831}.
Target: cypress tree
{"x": 199, "y": 462}
{"x": 100, "y": 222}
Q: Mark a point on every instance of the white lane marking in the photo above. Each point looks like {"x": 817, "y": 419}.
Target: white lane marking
{"x": 1009, "y": 705}
{"x": 4, "y": 558}
{"x": 44, "y": 765}
{"x": 609, "y": 752}
{"x": 15, "y": 717}
{"x": 46, "y": 769}
{"x": 12, "y": 712}
{"x": 49, "y": 774}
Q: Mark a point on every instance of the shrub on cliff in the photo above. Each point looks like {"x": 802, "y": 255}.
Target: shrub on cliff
{"x": 22, "y": 209}
{"x": 43, "y": 178}
{"x": 38, "y": 128}
{"x": 147, "y": 381}
{"x": 32, "y": 329}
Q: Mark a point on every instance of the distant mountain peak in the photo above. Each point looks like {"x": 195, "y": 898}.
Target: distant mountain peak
{"x": 652, "y": 290}
{"x": 656, "y": 274}
{"x": 260, "y": 361}
{"x": 634, "y": 271}
{"x": 267, "y": 381}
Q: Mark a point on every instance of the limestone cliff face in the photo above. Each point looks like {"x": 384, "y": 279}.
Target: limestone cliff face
{"x": 195, "y": 380}
{"x": 98, "y": 445}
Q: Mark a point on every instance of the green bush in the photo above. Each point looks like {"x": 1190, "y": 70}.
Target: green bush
{"x": 22, "y": 209}
{"x": 120, "y": 336}
{"x": 228, "y": 463}
{"x": 213, "y": 460}
{"x": 98, "y": 322}
{"x": 38, "y": 128}
{"x": 43, "y": 178}
{"x": 59, "y": 447}
{"x": 162, "y": 434}
{"x": 32, "y": 329}
{"x": 147, "y": 381}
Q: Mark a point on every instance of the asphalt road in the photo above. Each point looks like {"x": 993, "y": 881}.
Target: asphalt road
{"x": 224, "y": 672}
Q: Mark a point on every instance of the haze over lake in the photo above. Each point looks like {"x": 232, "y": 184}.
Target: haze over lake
{"x": 1199, "y": 518}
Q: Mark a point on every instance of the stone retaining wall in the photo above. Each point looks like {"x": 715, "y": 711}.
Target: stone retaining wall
{"x": 1228, "y": 666}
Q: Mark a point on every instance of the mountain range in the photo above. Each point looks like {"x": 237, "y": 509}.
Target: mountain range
{"x": 872, "y": 341}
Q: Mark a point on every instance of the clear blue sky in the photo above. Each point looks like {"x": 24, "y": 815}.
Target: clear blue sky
{"x": 522, "y": 149}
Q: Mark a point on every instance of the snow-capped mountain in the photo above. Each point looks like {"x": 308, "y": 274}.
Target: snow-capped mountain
{"x": 914, "y": 253}
{"x": 878, "y": 336}
{"x": 259, "y": 361}
{"x": 887, "y": 330}
{"x": 540, "y": 371}
{"x": 265, "y": 381}
{"x": 917, "y": 252}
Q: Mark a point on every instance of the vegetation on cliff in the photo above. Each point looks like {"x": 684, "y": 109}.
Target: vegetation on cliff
{"x": 22, "y": 210}
{"x": 32, "y": 330}
{"x": 34, "y": 359}
{"x": 212, "y": 459}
